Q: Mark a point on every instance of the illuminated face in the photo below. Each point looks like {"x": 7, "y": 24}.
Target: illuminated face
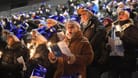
{"x": 10, "y": 40}
{"x": 123, "y": 16}
{"x": 71, "y": 30}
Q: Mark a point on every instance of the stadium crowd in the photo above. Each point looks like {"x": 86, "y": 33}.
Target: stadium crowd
{"x": 102, "y": 36}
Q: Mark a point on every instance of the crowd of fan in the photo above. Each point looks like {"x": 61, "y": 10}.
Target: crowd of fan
{"x": 33, "y": 30}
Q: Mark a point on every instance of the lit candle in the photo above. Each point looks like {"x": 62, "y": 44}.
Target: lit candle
{"x": 1, "y": 54}
{"x": 28, "y": 45}
{"x": 48, "y": 46}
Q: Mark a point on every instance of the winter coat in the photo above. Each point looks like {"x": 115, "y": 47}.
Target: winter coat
{"x": 9, "y": 66}
{"x": 81, "y": 48}
{"x": 129, "y": 37}
{"x": 41, "y": 58}
{"x": 96, "y": 33}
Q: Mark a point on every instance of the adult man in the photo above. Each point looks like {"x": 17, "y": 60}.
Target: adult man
{"x": 95, "y": 32}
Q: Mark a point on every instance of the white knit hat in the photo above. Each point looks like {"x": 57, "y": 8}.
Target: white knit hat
{"x": 125, "y": 12}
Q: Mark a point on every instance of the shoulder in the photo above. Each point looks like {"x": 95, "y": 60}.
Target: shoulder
{"x": 17, "y": 44}
{"x": 84, "y": 40}
{"x": 131, "y": 25}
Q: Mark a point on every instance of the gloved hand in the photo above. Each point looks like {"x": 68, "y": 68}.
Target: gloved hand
{"x": 118, "y": 33}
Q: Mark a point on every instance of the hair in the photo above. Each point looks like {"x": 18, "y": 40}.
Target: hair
{"x": 39, "y": 39}
{"x": 82, "y": 10}
{"x": 6, "y": 32}
{"x": 108, "y": 19}
{"x": 54, "y": 22}
{"x": 15, "y": 39}
{"x": 74, "y": 23}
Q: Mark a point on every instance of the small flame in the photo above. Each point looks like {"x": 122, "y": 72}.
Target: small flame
{"x": 1, "y": 54}
{"x": 32, "y": 52}
{"x": 48, "y": 46}
{"x": 28, "y": 45}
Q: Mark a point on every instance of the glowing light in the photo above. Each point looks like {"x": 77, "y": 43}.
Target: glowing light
{"x": 48, "y": 46}
{"x": 32, "y": 52}
{"x": 28, "y": 45}
{"x": 32, "y": 49}
{"x": 1, "y": 54}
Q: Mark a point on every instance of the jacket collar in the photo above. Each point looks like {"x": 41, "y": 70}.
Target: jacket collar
{"x": 77, "y": 36}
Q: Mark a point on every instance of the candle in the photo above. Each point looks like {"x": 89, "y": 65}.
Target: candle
{"x": 48, "y": 46}
{"x": 1, "y": 54}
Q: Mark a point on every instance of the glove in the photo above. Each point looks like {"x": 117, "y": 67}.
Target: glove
{"x": 118, "y": 34}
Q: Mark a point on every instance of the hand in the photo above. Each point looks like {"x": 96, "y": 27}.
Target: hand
{"x": 71, "y": 59}
{"x": 52, "y": 58}
{"x": 118, "y": 34}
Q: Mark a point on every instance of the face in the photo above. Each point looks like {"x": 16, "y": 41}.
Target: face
{"x": 33, "y": 34}
{"x": 71, "y": 30}
{"x": 105, "y": 22}
{"x": 84, "y": 17}
{"x": 10, "y": 40}
{"x": 122, "y": 16}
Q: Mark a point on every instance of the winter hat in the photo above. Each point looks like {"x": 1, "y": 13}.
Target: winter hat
{"x": 108, "y": 19}
{"x": 124, "y": 12}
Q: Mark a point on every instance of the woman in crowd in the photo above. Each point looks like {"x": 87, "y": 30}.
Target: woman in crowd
{"x": 79, "y": 47}
{"x": 123, "y": 46}
{"x": 10, "y": 66}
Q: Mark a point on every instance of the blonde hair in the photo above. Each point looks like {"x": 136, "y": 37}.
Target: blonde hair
{"x": 15, "y": 38}
{"x": 83, "y": 10}
{"x": 39, "y": 39}
{"x": 52, "y": 21}
{"x": 76, "y": 24}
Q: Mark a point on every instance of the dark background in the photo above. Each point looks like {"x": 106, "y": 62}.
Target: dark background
{"x": 11, "y": 4}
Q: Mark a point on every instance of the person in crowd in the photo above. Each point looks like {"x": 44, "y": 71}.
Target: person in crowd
{"x": 93, "y": 29}
{"x": 11, "y": 64}
{"x": 3, "y": 38}
{"x": 123, "y": 41}
{"x": 107, "y": 22}
{"x": 39, "y": 55}
{"x": 54, "y": 32}
{"x": 71, "y": 9}
{"x": 120, "y": 7}
{"x": 6, "y": 24}
{"x": 111, "y": 8}
{"x": 79, "y": 47}
{"x": 38, "y": 52}
{"x": 45, "y": 11}
{"x": 59, "y": 9}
